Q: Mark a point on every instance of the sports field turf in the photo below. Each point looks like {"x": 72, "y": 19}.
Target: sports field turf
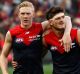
{"x": 47, "y": 69}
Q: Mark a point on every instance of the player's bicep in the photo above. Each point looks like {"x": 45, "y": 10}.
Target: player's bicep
{"x": 45, "y": 25}
{"x": 7, "y": 45}
{"x": 78, "y": 36}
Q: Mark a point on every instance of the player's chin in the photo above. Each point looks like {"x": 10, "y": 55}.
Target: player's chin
{"x": 61, "y": 28}
{"x": 26, "y": 24}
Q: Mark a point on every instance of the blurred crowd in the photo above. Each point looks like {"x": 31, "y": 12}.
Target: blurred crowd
{"x": 8, "y": 16}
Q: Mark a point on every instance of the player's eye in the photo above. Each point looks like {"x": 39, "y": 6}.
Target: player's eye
{"x": 23, "y": 13}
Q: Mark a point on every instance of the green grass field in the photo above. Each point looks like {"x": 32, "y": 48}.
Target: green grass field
{"x": 47, "y": 69}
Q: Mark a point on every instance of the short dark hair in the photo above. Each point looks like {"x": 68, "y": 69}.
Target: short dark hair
{"x": 53, "y": 11}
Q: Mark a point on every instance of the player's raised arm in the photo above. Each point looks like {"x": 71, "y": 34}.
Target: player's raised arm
{"x": 45, "y": 25}
{"x": 5, "y": 52}
{"x": 66, "y": 39}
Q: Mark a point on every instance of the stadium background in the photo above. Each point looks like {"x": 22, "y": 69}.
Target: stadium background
{"x": 9, "y": 19}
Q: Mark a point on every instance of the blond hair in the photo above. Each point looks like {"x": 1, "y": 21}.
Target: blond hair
{"x": 25, "y": 4}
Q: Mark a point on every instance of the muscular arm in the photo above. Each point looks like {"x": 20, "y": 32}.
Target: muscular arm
{"x": 68, "y": 24}
{"x": 5, "y": 52}
{"x": 45, "y": 25}
{"x": 66, "y": 39}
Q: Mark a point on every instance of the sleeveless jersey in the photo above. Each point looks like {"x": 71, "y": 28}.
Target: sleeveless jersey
{"x": 27, "y": 49}
{"x": 63, "y": 62}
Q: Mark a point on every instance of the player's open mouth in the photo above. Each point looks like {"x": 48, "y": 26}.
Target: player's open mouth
{"x": 26, "y": 21}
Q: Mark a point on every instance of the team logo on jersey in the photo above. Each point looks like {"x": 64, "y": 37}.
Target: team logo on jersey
{"x": 53, "y": 48}
{"x": 18, "y": 40}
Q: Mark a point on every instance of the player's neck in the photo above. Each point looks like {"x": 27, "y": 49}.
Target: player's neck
{"x": 26, "y": 26}
{"x": 58, "y": 33}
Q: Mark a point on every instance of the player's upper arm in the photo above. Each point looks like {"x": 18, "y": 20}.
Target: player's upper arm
{"x": 44, "y": 34}
{"x": 78, "y": 36}
{"x": 68, "y": 24}
{"x": 45, "y": 25}
{"x": 7, "y": 45}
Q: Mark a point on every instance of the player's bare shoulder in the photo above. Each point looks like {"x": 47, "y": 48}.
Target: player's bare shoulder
{"x": 46, "y": 32}
{"x": 8, "y": 37}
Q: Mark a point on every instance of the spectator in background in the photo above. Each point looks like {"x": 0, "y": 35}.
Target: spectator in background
{"x": 1, "y": 41}
{"x": 5, "y": 21}
{"x": 74, "y": 7}
{"x": 76, "y": 13}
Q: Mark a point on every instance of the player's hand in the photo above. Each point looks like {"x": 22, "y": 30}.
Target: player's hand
{"x": 5, "y": 73}
{"x": 66, "y": 42}
{"x": 14, "y": 64}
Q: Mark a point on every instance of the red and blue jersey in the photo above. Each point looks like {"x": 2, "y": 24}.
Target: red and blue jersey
{"x": 63, "y": 62}
{"x": 27, "y": 47}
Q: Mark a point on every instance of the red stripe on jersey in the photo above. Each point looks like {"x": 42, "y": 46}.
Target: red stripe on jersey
{"x": 26, "y": 34}
{"x": 53, "y": 40}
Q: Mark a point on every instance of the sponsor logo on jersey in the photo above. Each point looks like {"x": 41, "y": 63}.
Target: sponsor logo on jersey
{"x": 35, "y": 37}
{"x": 55, "y": 48}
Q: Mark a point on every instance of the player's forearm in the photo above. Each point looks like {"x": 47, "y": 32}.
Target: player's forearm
{"x": 3, "y": 64}
{"x": 68, "y": 25}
